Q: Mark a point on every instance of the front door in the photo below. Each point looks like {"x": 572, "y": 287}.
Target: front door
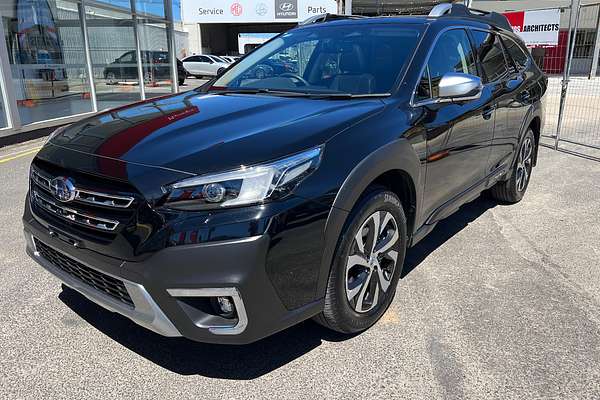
{"x": 459, "y": 134}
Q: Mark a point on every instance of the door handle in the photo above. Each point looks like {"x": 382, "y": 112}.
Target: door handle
{"x": 488, "y": 112}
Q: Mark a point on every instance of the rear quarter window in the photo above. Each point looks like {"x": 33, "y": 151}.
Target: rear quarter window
{"x": 518, "y": 55}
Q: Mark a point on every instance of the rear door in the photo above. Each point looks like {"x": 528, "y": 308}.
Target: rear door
{"x": 520, "y": 98}
{"x": 505, "y": 82}
{"x": 459, "y": 134}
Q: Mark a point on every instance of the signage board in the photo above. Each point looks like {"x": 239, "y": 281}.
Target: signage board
{"x": 536, "y": 28}
{"x": 243, "y": 11}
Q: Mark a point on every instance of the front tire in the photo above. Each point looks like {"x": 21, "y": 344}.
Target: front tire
{"x": 512, "y": 190}
{"x": 367, "y": 264}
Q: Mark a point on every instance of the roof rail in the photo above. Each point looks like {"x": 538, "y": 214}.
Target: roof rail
{"x": 460, "y": 10}
{"x": 328, "y": 17}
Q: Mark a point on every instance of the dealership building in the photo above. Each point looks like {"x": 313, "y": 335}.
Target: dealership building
{"x": 61, "y": 60}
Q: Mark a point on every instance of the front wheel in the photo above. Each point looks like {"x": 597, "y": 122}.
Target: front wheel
{"x": 513, "y": 189}
{"x": 367, "y": 264}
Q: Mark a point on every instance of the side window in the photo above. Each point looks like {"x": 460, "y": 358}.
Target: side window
{"x": 515, "y": 51}
{"x": 424, "y": 87}
{"x": 204, "y": 59}
{"x": 128, "y": 57}
{"x": 452, "y": 53}
{"x": 491, "y": 55}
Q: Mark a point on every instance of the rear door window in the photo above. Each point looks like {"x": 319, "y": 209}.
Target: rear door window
{"x": 491, "y": 55}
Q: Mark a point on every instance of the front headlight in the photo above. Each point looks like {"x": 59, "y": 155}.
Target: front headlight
{"x": 243, "y": 186}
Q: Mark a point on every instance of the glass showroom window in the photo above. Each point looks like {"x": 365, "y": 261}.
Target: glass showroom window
{"x": 155, "y": 57}
{"x": 114, "y": 56}
{"x": 45, "y": 50}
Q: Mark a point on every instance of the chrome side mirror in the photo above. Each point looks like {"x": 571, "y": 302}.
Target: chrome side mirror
{"x": 456, "y": 86}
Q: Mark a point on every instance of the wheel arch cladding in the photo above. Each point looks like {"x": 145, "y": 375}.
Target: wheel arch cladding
{"x": 536, "y": 127}
{"x": 395, "y": 166}
{"x": 532, "y": 120}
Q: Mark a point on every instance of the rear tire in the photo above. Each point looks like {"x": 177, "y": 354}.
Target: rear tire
{"x": 362, "y": 282}
{"x": 512, "y": 190}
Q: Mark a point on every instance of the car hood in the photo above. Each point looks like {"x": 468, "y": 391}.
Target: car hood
{"x": 198, "y": 133}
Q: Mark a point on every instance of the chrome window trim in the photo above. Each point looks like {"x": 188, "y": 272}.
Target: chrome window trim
{"x": 446, "y": 100}
{"x": 232, "y": 292}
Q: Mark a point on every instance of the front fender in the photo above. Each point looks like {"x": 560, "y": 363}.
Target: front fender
{"x": 398, "y": 155}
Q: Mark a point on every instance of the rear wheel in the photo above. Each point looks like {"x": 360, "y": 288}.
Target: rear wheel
{"x": 513, "y": 189}
{"x": 367, "y": 264}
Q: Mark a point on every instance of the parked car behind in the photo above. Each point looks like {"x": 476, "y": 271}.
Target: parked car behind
{"x": 155, "y": 65}
{"x": 230, "y": 59}
{"x": 203, "y": 65}
{"x": 230, "y": 212}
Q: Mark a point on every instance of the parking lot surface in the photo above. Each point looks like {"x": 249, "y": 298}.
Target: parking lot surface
{"x": 499, "y": 302}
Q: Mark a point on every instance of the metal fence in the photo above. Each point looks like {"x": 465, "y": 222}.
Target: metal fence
{"x": 573, "y": 96}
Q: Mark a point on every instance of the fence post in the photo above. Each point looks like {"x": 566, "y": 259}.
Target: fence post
{"x": 573, "y": 25}
{"x": 596, "y": 52}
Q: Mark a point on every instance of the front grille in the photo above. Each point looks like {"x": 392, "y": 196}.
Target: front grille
{"x": 106, "y": 284}
{"x": 95, "y": 205}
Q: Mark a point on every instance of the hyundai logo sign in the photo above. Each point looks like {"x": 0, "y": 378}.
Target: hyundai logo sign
{"x": 286, "y": 6}
{"x": 286, "y": 9}
{"x": 63, "y": 189}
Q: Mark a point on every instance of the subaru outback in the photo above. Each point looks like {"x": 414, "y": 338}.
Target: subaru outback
{"x": 230, "y": 212}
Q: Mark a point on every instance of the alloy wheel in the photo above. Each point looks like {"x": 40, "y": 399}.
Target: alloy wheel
{"x": 524, "y": 164}
{"x": 370, "y": 267}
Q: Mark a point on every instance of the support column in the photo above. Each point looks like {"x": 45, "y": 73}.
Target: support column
{"x": 88, "y": 55}
{"x": 348, "y": 7}
{"x": 171, "y": 47}
{"x": 138, "y": 50}
{"x": 8, "y": 90}
{"x": 596, "y": 52}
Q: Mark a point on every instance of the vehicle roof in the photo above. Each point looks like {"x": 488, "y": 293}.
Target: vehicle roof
{"x": 446, "y": 20}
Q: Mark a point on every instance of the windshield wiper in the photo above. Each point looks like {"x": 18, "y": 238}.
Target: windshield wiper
{"x": 343, "y": 96}
{"x": 291, "y": 93}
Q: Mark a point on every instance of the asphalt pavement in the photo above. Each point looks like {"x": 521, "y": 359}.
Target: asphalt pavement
{"x": 500, "y": 302}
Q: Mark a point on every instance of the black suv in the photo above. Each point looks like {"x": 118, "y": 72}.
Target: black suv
{"x": 154, "y": 63}
{"x": 228, "y": 213}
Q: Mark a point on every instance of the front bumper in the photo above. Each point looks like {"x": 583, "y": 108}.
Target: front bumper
{"x": 160, "y": 286}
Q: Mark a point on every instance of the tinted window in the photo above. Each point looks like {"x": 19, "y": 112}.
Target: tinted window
{"x": 355, "y": 59}
{"x": 517, "y": 54}
{"x": 491, "y": 55}
{"x": 128, "y": 57}
{"x": 424, "y": 87}
{"x": 204, "y": 59}
{"x": 452, "y": 53}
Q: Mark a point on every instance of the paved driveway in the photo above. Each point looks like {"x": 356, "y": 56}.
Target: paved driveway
{"x": 500, "y": 302}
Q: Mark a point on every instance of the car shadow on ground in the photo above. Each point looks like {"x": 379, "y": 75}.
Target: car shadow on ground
{"x": 251, "y": 361}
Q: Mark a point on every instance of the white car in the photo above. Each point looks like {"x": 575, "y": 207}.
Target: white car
{"x": 230, "y": 59}
{"x": 203, "y": 65}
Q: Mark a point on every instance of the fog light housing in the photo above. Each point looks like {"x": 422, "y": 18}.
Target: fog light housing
{"x": 226, "y": 306}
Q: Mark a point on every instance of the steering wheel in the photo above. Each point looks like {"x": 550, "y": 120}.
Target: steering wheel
{"x": 297, "y": 77}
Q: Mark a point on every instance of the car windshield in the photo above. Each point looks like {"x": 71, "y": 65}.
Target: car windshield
{"x": 354, "y": 59}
